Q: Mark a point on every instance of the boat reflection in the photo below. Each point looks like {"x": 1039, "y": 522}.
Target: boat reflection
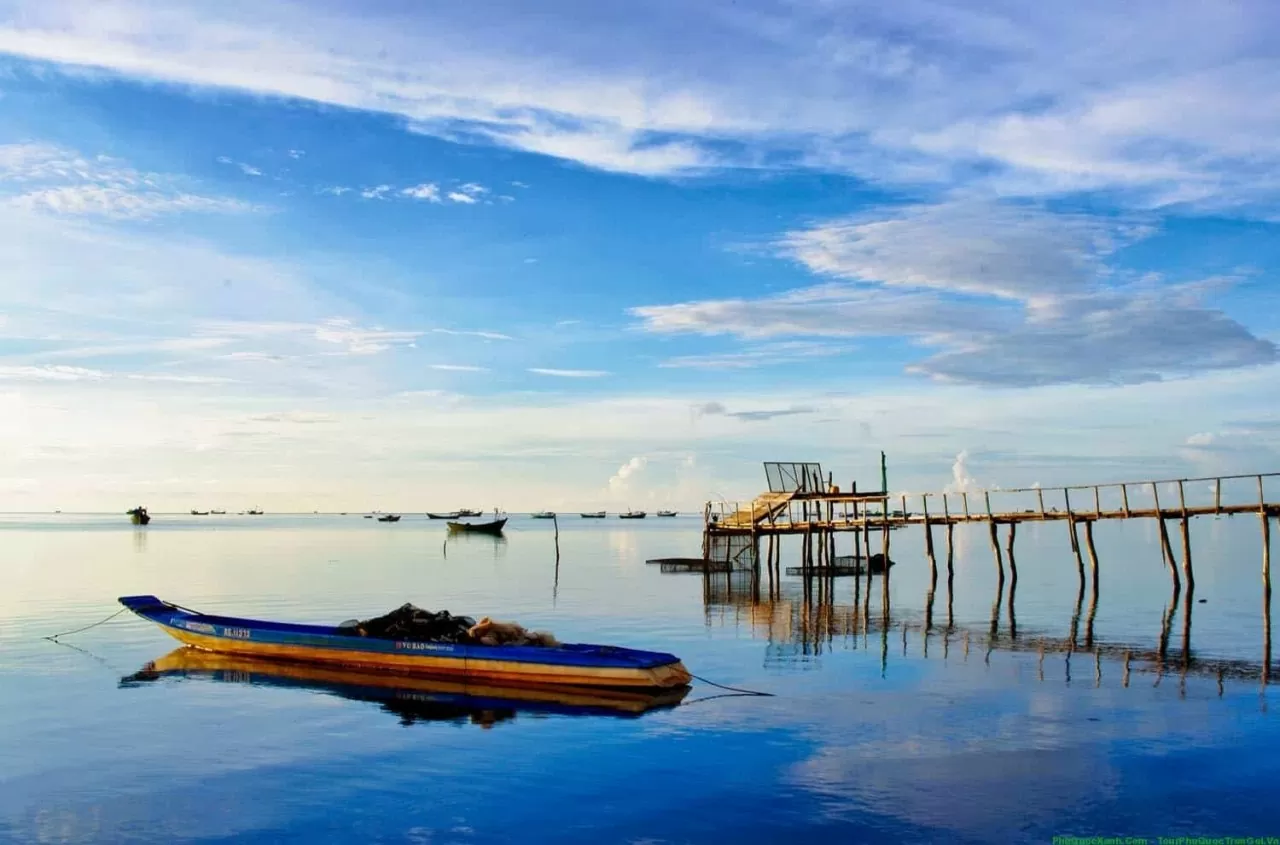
{"x": 412, "y": 699}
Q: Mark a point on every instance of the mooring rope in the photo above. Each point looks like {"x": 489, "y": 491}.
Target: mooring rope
{"x": 731, "y": 689}
{"x": 54, "y": 637}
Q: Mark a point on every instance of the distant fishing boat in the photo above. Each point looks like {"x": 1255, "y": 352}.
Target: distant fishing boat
{"x": 199, "y": 513}
{"x": 559, "y": 665}
{"x": 217, "y": 512}
{"x": 368, "y": 516}
{"x": 389, "y": 517}
{"x": 453, "y": 515}
{"x": 544, "y": 515}
{"x": 632, "y": 515}
{"x": 465, "y": 512}
{"x": 494, "y": 527}
{"x": 252, "y": 512}
{"x": 139, "y": 515}
{"x": 666, "y": 513}
{"x": 595, "y": 515}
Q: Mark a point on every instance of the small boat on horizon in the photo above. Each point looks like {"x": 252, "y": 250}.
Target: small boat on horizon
{"x": 465, "y": 512}
{"x": 453, "y": 515}
{"x": 253, "y": 512}
{"x": 575, "y": 665}
{"x": 543, "y": 515}
{"x": 389, "y": 517}
{"x": 199, "y": 513}
{"x": 493, "y": 527}
{"x": 217, "y": 512}
{"x": 632, "y": 515}
{"x": 595, "y": 515}
{"x": 139, "y": 515}
{"x": 666, "y": 513}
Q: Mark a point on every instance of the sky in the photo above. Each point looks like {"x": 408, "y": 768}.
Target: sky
{"x": 395, "y": 255}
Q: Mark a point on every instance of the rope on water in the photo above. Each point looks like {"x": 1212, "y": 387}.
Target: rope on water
{"x": 731, "y": 689}
{"x": 54, "y": 637}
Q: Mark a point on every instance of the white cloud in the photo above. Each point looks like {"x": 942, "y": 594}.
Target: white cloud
{"x": 246, "y": 169}
{"x": 336, "y": 190}
{"x": 426, "y": 191}
{"x": 1176, "y": 101}
{"x": 53, "y": 373}
{"x": 376, "y": 193}
{"x": 460, "y": 368}
{"x": 484, "y": 335}
{"x": 456, "y": 196}
{"x": 55, "y": 180}
{"x": 543, "y": 371}
{"x": 626, "y": 474}
{"x": 296, "y": 154}
{"x": 362, "y": 341}
{"x": 961, "y": 480}
{"x": 1006, "y": 295}
{"x": 764, "y": 355}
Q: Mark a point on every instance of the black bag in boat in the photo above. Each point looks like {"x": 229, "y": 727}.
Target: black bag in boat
{"x": 408, "y": 622}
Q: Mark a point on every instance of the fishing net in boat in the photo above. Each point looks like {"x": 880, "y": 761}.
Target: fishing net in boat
{"x": 414, "y": 624}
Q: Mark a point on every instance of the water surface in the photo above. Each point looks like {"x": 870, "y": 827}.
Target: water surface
{"x": 983, "y": 730}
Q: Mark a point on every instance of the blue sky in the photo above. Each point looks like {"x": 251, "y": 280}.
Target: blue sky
{"x": 328, "y": 255}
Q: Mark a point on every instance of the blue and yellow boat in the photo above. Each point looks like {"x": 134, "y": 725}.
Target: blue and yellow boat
{"x": 579, "y": 665}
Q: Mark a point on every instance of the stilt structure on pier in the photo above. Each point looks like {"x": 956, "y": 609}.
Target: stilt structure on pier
{"x": 803, "y": 501}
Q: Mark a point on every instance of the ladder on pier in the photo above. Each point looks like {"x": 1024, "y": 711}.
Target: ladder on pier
{"x": 763, "y": 508}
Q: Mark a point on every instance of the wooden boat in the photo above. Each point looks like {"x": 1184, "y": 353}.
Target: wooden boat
{"x": 564, "y": 665}
{"x": 139, "y": 516}
{"x": 543, "y": 515}
{"x": 252, "y": 512}
{"x": 199, "y": 513}
{"x": 217, "y": 512}
{"x": 632, "y": 515}
{"x": 465, "y": 512}
{"x": 596, "y": 515}
{"x": 494, "y": 527}
{"x": 413, "y": 699}
{"x": 453, "y": 515}
{"x": 666, "y": 513}
{"x": 389, "y": 517}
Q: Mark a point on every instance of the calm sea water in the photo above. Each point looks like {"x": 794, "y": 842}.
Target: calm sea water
{"x": 875, "y": 733}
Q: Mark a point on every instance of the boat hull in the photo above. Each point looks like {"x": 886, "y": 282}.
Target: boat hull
{"x": 568, "y": 665}
{"x": 478, "y": 527}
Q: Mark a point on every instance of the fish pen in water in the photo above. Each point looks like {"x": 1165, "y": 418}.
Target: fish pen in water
{"x": 803, "y": 502}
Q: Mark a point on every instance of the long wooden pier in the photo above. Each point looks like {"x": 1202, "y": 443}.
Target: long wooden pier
{"x": 802, "y": 501}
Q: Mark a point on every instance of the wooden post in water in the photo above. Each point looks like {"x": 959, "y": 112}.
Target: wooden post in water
{"x": 1093, "y": 553}
{"x": 1124, "y": 499}
{"x": 928, "y": 539}
{"x": 1187, "y": 571}
{"x": 1013, "y": 564}
{"x": 1164, "y": 539}
{"x": 1097, "y": 503}
{"x": 951, "y": 578}
{"x": 1040, "y": 498}
{"x": 995, "y": 549}
{"x": 1266, "y": 585}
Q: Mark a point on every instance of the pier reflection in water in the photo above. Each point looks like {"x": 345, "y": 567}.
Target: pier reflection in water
{"x": 803, "y": 617}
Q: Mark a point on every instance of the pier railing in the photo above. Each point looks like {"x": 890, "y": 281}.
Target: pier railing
{"x": 838, "y": 511}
